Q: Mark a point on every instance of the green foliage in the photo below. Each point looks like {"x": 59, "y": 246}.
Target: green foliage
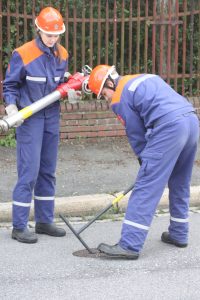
{"x": 82, "y": 9}
{"x": 9, "y": 140}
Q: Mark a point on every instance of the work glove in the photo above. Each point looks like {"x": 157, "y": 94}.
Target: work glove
{"x": 67, "y": 75}
{"x": 74, "y": 96}
{"x": 11, "y": 110}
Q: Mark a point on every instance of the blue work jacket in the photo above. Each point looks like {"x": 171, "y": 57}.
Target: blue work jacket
{"x": 34, "y": 71}
{"x": 143, "y": 101}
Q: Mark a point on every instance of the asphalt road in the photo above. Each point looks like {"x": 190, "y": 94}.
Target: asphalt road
{"x": 85, "y": 167}
{"x": 48, "y": 270}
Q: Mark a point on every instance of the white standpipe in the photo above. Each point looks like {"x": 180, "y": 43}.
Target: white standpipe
{"x": 9, "y": 122}
{"x": 78, "y": 81}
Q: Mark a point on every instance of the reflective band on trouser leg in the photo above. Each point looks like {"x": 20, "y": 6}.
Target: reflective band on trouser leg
{"x": 138, "y": 235}
{"x": 44, "y": 208}
{"x": 137, "y": 225}
{"x": 179, "y": 220}
{"x": 179, "y": 229}
{"x": 20, "y": 214}
{"x": 21, "y": 204}
{"x": 44, "y": 198}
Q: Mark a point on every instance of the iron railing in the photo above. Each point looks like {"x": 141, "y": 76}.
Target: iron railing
{"x": 157, "y": 36}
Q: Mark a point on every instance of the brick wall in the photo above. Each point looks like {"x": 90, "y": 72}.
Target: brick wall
{"x": 95, "y": 119}
{"x": 92, "y": 119}
{"x": 89, "y": 119}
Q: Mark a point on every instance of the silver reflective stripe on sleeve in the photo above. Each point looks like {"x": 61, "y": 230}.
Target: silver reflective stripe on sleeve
{"x": 179, "y": 220}
{"x": 137, "y": 81}
{"x": 44, "y": 198}
{"x": 56, "y": 78}
{"x": 136, "y": 225}
{"x": 21, "y": 204}
{"x": 39, "y": 79}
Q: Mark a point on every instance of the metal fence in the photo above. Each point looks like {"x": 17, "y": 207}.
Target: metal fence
{"x": 151, "y": 36}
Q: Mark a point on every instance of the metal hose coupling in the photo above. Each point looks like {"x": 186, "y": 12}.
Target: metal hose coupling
{"x": 86, "y": 70}
{"x": 85, "y": 87}
{"x": 4, "y": 127}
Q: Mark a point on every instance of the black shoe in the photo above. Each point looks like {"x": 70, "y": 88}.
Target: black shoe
{"x": 24, "y": 236}
{"x": 117, "y": 251}
{"x": 167, "y": 239}
{"x": 49, "y": 229}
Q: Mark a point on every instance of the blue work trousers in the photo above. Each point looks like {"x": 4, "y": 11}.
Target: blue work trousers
{"x": 37, "y": 147}
{"x": 168, "y": 157}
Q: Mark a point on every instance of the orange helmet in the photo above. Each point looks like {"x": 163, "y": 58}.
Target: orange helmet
{"x": 98, "y": 77}
{"x": 50, "y": 21}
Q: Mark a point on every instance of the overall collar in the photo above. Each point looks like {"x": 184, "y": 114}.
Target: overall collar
{"x": 43, "y": 47}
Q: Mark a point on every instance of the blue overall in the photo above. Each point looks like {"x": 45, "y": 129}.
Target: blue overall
{"x": 163, "y": 131}
{"x": 34, "y": 72}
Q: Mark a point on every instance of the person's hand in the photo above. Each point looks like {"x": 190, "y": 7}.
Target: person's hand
{"x": 11, "y": 110}
{"x": 67, "y": 75}
{"x": 74, "y": 96}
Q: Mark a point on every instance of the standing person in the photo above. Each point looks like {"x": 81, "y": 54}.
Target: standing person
{"x": 35, "y": 70}
{"x": 163, "y": 131}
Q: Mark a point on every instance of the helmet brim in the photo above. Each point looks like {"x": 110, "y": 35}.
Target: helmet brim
{"x": 50, "y": 32}
{"x": 112, "y": 68}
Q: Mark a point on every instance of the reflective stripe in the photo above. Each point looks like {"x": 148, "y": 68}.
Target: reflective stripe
{"x": 21, "y": 204}
{"x": 179, "y": 220}
{"x": 137, "y": 81}
{"x": 44, "y": 198}
{"x": 136, "y": 225}
{"x": 40, "y": 79}
{"x": 56, "y": 78}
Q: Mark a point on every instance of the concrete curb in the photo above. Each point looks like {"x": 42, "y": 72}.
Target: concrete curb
{"x": 90, "y": 204}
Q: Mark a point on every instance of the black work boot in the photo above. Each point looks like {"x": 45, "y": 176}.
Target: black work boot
{"x": 117, "y": 251}
{"x": 49, "y": 229}
{"x": 165, "y": 237}
{"x": 24, "y": 236}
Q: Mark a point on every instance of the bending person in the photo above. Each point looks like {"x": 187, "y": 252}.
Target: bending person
{"x": 163, "y": 130}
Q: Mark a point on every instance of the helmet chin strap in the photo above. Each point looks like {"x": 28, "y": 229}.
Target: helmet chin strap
{"x": 110, "y": 87}
{"x": 114, "y": 81}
